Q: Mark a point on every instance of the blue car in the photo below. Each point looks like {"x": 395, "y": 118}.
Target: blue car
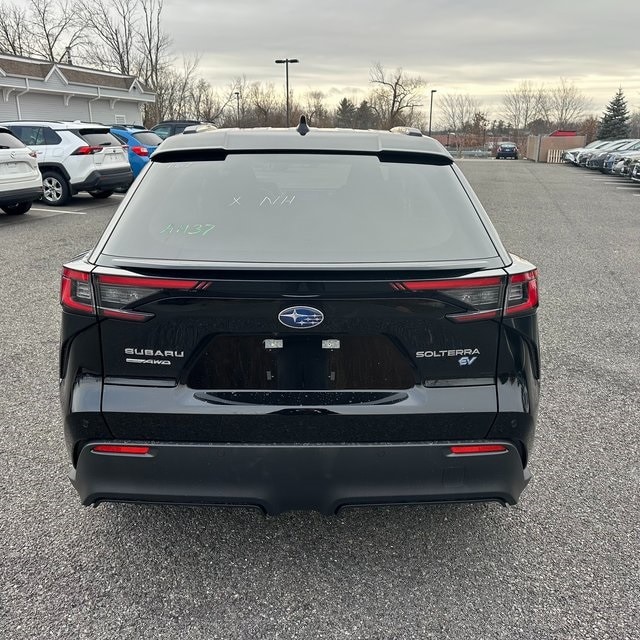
{"x": 141, "y": 143}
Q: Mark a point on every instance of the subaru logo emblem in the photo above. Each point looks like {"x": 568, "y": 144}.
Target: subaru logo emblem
{"x": 301, "y": 317}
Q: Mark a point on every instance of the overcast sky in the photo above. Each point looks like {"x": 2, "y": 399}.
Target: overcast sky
{"x": 467, "y": 46}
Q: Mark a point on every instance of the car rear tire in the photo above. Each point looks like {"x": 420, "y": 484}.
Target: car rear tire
{"x": 55, "y": 189}
{"x": 100, "y": 195}
{"x": 17, "y": 209}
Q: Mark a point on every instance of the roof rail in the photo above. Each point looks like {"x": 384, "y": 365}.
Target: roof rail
{"x": 407, "y": 131}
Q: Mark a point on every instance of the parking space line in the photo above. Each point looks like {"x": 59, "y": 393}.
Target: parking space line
{"x": 629, "y": 188}
{"x": 52, "y": 210}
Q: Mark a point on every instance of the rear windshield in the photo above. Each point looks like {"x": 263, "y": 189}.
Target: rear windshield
{"x": 7, "y": 141}
{"x": 300, "y": 208}
{"x": 99, "y": 138}
{"x": 148, "y": 137}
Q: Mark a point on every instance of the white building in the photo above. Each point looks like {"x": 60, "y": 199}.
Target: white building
{"x": 42, "y": 90}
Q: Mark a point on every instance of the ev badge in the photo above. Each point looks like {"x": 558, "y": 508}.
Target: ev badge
{"x": 301, "y": 317}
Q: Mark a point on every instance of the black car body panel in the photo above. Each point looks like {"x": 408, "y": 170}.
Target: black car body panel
{"x": 272, "y": 367}
{"x": 105, "y": 179}
{"x": 277, "y": 477}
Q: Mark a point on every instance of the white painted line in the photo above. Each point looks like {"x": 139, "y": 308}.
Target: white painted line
{"x": 629, "y": 188}
{"x": 76, "y": 213}
{"x": 47, "y": 209}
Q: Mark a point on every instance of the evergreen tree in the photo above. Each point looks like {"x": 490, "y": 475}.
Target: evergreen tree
{"x": 615, "y": 120}
{"x": 346, "y": 114}
{"x": 365, "y": 116}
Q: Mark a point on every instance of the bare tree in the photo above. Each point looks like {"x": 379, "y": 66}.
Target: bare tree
{"x": 521, "y": 106}
{"x": 174, "y": 92}
{"x": 15, "y": 37}
{"x": 153, "y": 46}
{"x": 458, "y": 112}
{"x": 564, "y": 104}
{"x": 54, "y": 27}
{"x": 240, "y": 102}
{"x": 315, "y": 109}
{"x": 395, "y": 96}
{"x": 589, "y": 128}
{"x": 634, "y": 124}
{"x": 111, "y": 24}
{"x": 265, "y": 104}
{"x": 210, "y": 105}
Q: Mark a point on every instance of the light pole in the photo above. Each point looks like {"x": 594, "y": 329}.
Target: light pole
{"x": 237, "y": 108}
{"x": 286, "y": 62}
{"x": 431, "y": 109}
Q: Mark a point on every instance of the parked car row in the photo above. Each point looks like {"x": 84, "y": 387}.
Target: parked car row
{"x": 616, "y": 157}
{"x": 54, "y": 160}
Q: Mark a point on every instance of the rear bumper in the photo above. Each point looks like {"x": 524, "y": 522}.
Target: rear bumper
{"x": 285, "y": 477}
{"x": 104, "y": 179}
{"x": 28, "y": 194}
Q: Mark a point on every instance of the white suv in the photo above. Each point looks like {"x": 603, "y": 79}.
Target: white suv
{"x": 75, "y": 156}
{"x": 20, "y": 179}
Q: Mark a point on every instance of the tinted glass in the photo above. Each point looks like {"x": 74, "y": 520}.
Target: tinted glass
{"x": 162, "y": 131}
{"x": 30, "y": 135}
{"x": 99, "y": 138}
{"x": 300, "y": 208}
{"x": 50, "y": 136}
{"x": 7, "y": 141}
{"x": 148, "y": 137}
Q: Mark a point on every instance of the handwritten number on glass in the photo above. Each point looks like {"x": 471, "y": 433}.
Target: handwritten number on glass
{"x": 189, "y": 229}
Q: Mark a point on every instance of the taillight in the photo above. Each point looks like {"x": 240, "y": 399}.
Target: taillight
{"x": 522, "y": 293}
{"x": 75, "y": 291}
{"x": 115, "y": 295}
{"x": 481, "y": 296}
{"x": 140, "y": 151}
{"x": 86, "y": 151}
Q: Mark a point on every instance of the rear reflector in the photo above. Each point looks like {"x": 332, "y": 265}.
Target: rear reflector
{"x": 469, "y": 449}
{"x": 122, "y": 449}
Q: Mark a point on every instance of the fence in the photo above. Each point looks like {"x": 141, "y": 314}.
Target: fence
{"x": 554, "y": 156}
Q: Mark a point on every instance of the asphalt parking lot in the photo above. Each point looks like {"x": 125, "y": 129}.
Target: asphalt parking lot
{"x": 563, "y": 563}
